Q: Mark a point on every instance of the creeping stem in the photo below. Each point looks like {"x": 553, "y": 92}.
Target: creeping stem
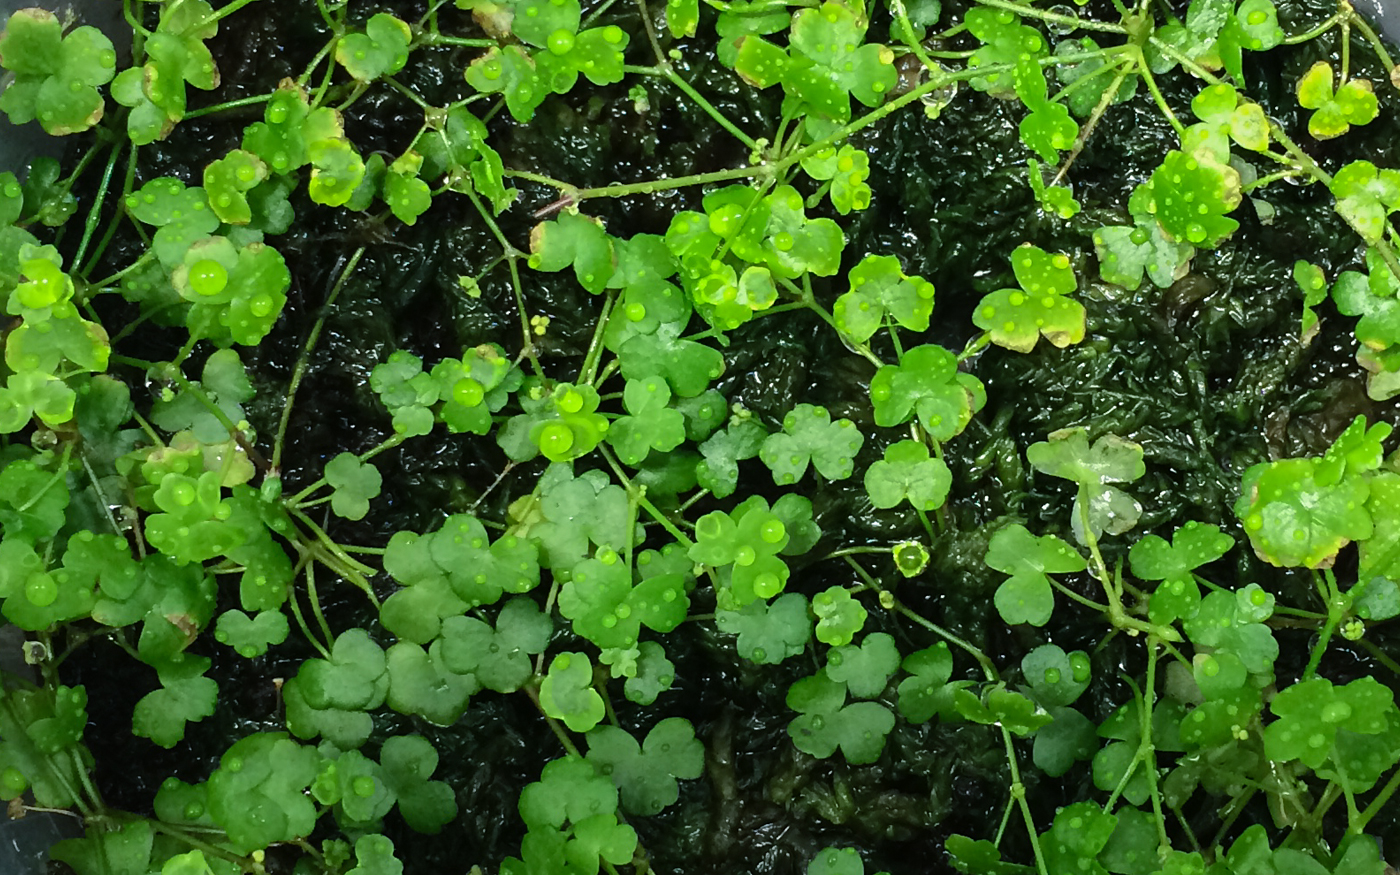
{"x": 299, "y": 371}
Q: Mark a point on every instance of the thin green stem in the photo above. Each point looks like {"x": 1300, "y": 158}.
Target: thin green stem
{"x": 315, "y": 600}
{"x": 146, "y": 258}
{"x": 1377, "y": 805}
{"x": 406, "y": 92}
{"x": 95, "y": 212}
{"x": 1018, "y": 792}
{"x": 299, "y": 370}
{"x": 642, "y": 501}
{"x": 1087, "y": 129}
{"x": 232, "y": 104}
{"x": 442, "y": 39}
{"x": 226, "y": 11}
{"x": 316, "y": 61}
{"x": 1380, "y": 655}
{"x": 1055, "y": 17}
{"x": 1336, "y": 612}
{"x": 183, "y": 835}
{"x": 988, "y": 669}
{"x": 1331, "y": 22}
{"x": 1161, "y": 100}
{"x": 1074, "y": 596}
{"x": 1377, "y": 45}
{"x": 1005, "y": 819}
{"x": 588, "y": 371}
{"x": 128, "y": 184}
{"x": 708, "y": 108}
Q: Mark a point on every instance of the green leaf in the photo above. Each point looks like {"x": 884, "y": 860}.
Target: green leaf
{"x": 847, "y": 169}
{"x": 682, "y": 17}
{"x": 354, "y": 482}
{"x": 56, "y": 76}
{"x": 123, "y": 847}
{"x": 907, "y": 472}
{"x": 1056, "y": 677}
{"x": 926, "y": 692}
{"x": 251, "y": 637}
{"x": 927, "y": 384}
{"x": 1366, "y": 196}
{"x": 1125, "y": 254}
{"x": 238, "y": 292}
{"x": 227, "y": 182}
{"x": 500, "y": 657}
{"x": 336, "y": 171}
{"x": 1191, "y": 198}
{"x": 1048, "y": 129}
{"x": 722, "y": 451}
{"x": 881, "y": 289}
{"x": 510, "y": 71}
{"x": 192, "y": 863}
{"x": 1311, "y": 712}
{"x": 574, "y": 239}
{"x": 1152, "y": 558}
{"x": 827, "y": 723}
{"x": 1055, "y": 200}
{"x": 1027, "y": 597}
{"x": 651, "y": 425}
{"x": 280, "y": 139}
{"x": 572, "y": 513}
{"x": 1233, "y": 621}
{"x": 461, "y": 555}
{"x": 606, "y": 609}
{"x": 829, "y": 62}
{"x": 839, "y": 616}
{"x": 686, "y": 366}
{"x": 1079, "y": 833}
{"x": 1294, "y": 520}
{"x": 407, "y": 195}
{"x": 1005, "y": 39}
{"x": 809, "y": 435}
{"x": 352, "y": 679}
{"x": 346, "y": 729}
{"x": 769, "y": 633}
{"x": 1070, "y": 739}
{"x": 567, "y": 693}
{"x": 646, "y": 774}
{"x": 1219, "y": 107}
{"x": 865, "y": 670}
{"x": 374, "y": 855}
{"x": 1354, "y": 103}
{"x": 256, "y": 794}
{"x": 1111, "y": 459}
{"x": 182, "y": 216}
{"x": 408, "y": 763}
{"x": 61, "y": 727}
{"x": 420, "y": 682}
{"x": 185, "y": 696}
{"x": 980, "y": 857}
{"x": 653, "y": 676}
{"x": 1017, "y": 318}
{"x": 836, "y": 861}
{"x": 569, "y": 790}
{"x": 381, "y": 50}
{"x": 1089, "y": 92}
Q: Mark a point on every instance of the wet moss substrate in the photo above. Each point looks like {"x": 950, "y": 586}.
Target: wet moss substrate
{"x": 1207, "y": 375}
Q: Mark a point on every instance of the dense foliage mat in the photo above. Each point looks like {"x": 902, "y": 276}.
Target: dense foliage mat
{"x": 805, "y": 436}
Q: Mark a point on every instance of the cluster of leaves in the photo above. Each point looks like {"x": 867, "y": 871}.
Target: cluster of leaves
{"x": 569, "y": 596}
{"x": 551, "y": 54}
{"x": 826, "y": 63}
